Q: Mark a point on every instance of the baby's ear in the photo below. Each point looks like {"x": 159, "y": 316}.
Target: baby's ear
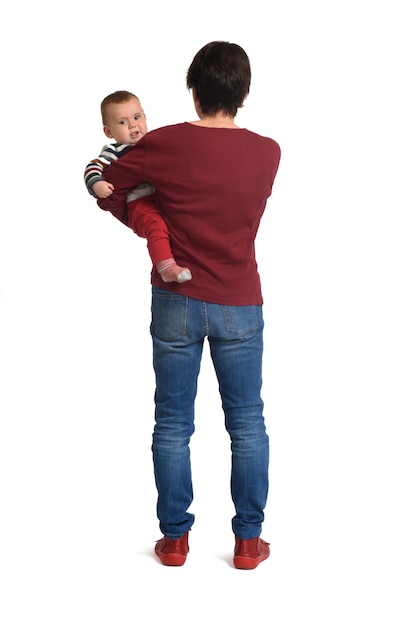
{"x": 107, "y": 132}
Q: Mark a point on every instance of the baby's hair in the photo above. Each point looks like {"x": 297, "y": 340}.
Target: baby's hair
{"x": 115, "y": 98}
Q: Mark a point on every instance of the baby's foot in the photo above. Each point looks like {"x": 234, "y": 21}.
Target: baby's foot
{"x": 170, "y": 272}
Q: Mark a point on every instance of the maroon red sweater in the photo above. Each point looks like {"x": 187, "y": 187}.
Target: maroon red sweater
{"x": 211, "y": 185}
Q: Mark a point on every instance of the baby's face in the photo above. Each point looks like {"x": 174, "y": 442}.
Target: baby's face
{"x": 126, "y": 122}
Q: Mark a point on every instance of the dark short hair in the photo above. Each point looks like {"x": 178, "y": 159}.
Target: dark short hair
{"x": 220, "y": 74}
{"x": 117, "y": 97}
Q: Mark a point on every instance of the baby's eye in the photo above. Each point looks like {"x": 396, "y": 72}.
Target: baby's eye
{"x": 138, "y": 116}
{"x": 122, "y": 122}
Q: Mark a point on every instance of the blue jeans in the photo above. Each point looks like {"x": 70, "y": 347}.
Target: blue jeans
{"x": 235, "y": 334}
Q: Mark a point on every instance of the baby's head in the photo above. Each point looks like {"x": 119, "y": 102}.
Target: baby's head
{"x": 123, "y": 117}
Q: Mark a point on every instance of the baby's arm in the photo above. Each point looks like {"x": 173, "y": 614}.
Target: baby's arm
{"x": 94, "y": 180}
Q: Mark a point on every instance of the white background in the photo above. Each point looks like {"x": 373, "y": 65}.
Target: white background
{"x": 334, "y": 84}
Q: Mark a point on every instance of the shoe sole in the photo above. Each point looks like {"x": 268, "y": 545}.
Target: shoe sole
{"x": 245, "y": 562}
{"x": 175, "y": 560}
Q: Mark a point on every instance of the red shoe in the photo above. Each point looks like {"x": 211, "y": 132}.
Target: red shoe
{"x": 172, "y": 551}
{"x": 250, "y": 552}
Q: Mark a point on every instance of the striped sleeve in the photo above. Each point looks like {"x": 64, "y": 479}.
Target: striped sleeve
{"x": 94, "y": 170}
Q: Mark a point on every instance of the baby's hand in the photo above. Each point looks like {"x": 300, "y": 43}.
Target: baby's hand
{"x": 103, "y": 189}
